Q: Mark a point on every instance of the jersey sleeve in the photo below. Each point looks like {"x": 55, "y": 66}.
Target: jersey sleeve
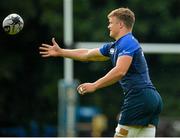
{"x": 128, "y": 48}
{"x": 104, "y": 50}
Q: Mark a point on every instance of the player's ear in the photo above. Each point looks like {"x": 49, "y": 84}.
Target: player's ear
{"x": 121, "y": 24}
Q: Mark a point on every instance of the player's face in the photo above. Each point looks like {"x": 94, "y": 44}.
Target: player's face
{"x": 114, "y": 27}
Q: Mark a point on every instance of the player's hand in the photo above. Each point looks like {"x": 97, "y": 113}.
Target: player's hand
{"x": 86, "y": 88}
{"x": 47, "y": 50}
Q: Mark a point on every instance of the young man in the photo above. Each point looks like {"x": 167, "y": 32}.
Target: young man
{"x": 142, "y": 103}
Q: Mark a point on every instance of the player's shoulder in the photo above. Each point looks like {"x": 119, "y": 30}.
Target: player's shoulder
{"x": 128, "y": 41}
{"x": 107, "y": 46}
{"x": 129, "y": 38}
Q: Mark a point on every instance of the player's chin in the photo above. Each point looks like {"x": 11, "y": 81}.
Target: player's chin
{"x": 111, "y": 35}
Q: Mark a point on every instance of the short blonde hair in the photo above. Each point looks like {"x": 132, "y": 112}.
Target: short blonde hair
{"x": 125, "y": 15}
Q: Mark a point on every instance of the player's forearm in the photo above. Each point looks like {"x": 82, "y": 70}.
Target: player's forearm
{"x": 110, "y": 78}
{"x": 76, "y": 54}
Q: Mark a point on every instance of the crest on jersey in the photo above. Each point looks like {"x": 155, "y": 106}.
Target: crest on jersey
{"x": 111, "y": 51}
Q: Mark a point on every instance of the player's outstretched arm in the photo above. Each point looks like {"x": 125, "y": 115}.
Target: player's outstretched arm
{"x": 54, "y": 50}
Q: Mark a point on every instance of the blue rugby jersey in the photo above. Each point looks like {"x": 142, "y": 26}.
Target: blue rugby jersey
{"x": 137, "y": 76}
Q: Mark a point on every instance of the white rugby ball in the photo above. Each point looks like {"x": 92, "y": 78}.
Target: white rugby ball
{"x": 13, "y": 24}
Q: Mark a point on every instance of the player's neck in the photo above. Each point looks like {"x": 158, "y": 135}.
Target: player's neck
{"x": 123, "y": 33}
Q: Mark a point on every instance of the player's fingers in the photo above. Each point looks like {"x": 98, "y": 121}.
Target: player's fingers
{"x": 43, "y": 52}
{"x": 45, "y": 56}
{"x": 46, "y": 45}
{"x": 53, "y": 41}
{"x": 43, "y": 48}
{"x": 80, "y": 89}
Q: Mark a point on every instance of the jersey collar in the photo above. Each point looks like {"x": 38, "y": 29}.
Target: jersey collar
{"x": 123, "y": 37}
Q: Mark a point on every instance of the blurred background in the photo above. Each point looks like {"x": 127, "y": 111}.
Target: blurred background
{"x": 31, "y": 87}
